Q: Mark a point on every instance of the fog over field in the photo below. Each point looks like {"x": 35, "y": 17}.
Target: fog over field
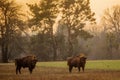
{"x": 56, "y": 29}
{"x": 98, "y": 6}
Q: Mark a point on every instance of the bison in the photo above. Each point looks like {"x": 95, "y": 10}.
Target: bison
{"x": 77, "y": 61}
{"x": 25, "y": 62}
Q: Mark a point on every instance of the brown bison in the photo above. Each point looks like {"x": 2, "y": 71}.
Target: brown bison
{"x": 28, "y": 61}
{"x": 77, "y": 61}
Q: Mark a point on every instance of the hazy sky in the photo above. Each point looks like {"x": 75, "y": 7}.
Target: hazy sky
{"x": 98, "y": 6}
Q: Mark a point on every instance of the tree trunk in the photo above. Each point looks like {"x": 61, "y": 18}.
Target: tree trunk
{"x": 70, "y": 46}
{"x": 54, "y": 43}
{"x": 4, "y": 48}
{"x": 54, "y": 49}
{"x": 5, "y": 39}
{"x": 4, "y": 55}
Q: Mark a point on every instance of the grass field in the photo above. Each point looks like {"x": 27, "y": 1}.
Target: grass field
{"x": 95, "y": 70}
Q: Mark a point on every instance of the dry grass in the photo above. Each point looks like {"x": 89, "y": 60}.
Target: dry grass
{"x": 7, "y": 72}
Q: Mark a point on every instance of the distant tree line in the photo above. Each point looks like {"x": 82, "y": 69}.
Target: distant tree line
{"x": 74, "y": 16}
{"x": 70, "y": 38}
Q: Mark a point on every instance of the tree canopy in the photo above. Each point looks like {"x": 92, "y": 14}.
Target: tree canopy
{"x": 10, "y": 24}
{"x": 75, "y": 14}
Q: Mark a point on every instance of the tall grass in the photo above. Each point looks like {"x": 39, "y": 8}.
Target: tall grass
{"x": 95, "y": 70}
{"x": 104, "y": 64}
{"x": 92, "y": 64}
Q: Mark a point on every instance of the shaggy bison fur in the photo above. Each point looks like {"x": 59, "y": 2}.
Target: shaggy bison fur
{"x": 77, "y": 61}
{"x": 25, "y": 62}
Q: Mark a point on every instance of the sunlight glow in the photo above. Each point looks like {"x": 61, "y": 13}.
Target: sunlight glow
{"x": 97, "y": 6}
{"x": 55, "y": 26}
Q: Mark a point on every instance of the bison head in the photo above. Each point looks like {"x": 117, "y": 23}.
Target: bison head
{"x": 83, "y": 60}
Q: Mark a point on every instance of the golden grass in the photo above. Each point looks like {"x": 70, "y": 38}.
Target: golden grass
{"x": 7, "y": 72}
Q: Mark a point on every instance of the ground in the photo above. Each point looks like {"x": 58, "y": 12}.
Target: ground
{"x": 59, "y": 71}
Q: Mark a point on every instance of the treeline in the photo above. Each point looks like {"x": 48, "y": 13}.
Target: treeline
{"x": 57, "y": 30}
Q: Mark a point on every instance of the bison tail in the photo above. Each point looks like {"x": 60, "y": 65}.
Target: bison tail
{"x": 69, "y": 59}
{"x": 67, "y": 63}
{"x": 16, "y": 62}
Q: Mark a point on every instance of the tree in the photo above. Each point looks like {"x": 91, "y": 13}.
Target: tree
{"x": 111, "y": 23}
{"x": 43, "y": 18}
{"x": 76, "y": 13}
{"x": 10, "y": 22}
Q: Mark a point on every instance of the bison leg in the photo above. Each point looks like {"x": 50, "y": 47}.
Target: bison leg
{"x": 79, "y": 69}
{"x": 83, "y": 67}
{"x": 18, "y": 69}
{"x": 70, "y": 68}
{"x": 30, "y": 69}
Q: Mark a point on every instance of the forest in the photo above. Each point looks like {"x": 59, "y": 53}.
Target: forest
{"x": 56, "y": 29}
